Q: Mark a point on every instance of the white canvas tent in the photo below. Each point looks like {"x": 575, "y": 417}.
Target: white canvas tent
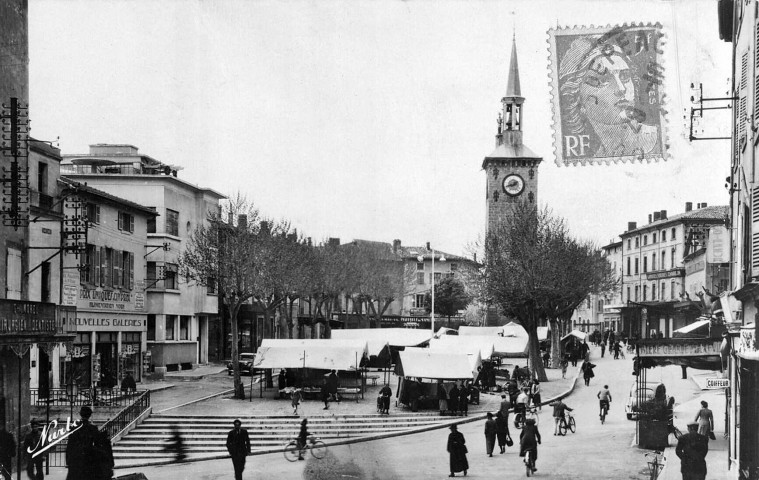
{"x": 377, "y": 338}
{"x": 424, "y": 363}
{"x": 359, "y": 344}
{"x": 542, "y": 333}
{"x": 443, "y": 331}
{"x": 512, "y": 329}
{"x": 309, "y": 356}
{"x": 471, "y": 344}
{"x": 574, "y": 333}
{"x": 469, "y": 330}
{"x": 510, "y": 346}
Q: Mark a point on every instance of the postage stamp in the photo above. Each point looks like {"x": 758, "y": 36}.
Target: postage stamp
{"x": 607, "y": 86}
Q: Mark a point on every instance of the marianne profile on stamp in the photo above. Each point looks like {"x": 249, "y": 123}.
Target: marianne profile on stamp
{"x": 599, "y": 98}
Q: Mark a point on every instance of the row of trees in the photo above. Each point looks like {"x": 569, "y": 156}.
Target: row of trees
{"x": 266, "y": 263}
{"x": 535, "y": 271}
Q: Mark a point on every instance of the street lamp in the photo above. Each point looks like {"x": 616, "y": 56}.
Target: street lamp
{"x": 432, "y": 311}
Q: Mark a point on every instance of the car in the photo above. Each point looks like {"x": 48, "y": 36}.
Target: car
{"x": 246, "y": 364}
{"x": 643, "y": 391}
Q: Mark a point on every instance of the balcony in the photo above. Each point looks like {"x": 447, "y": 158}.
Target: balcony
{"x": 115, "y": 169}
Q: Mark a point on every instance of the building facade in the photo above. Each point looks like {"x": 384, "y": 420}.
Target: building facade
{"x": 178, "y": 313}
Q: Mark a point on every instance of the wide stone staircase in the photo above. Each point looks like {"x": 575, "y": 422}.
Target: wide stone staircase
{"x": 205, "y": 436}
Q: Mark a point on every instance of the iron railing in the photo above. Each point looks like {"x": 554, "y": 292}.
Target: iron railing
{"x": 64, "y": 397}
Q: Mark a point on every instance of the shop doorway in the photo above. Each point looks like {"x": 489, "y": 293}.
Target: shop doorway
{"x": 131, "y": 355}
{"x": 43, "y": 371}
{"x": 80, "y": 372}
{"x": 106, "y": 347}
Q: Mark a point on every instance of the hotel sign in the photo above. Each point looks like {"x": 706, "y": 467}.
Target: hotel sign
{"x": 679, "y": 348}
{"x": 18, "y": 317}
{"x": 675, "y": 272}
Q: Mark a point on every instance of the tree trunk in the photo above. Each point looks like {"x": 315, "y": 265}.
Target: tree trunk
{"x": 327, "y": 316}
{"x": 533, "y": 348}
{"x": 556, "y": 353}
{"x": 289, "y": 316}
{"x": 239, "y": 392}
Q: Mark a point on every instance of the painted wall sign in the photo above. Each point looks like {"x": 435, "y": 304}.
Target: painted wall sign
{"x": 52, "y": 435}
{"x": 675, "y": 272}
{"x": 70, "y": 288}
{"x": 91, "y": 321}
{"x": 717, "y": 250}
{"x": 114, "y": 300}
{"x": 18, "y": 317}
{"x": 673, "y": 348}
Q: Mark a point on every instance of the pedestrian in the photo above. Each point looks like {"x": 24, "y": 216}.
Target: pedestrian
{"x": 502, "y": 430}
{"x": 617, "y": 348}
{"x": 80, "y": 448}
{"x": 457, "y": 452}
{"x": 505, "y": 406}
{"x": 282, "y": 379}
{"x": 520, "y": 407}
{"x": 413, "y": 395}
{"x": 238, "y": 446}
{"x": 564, "y": 364}
{"x": 464, "y": 400}
{"x": 176, "y": 444}
{"x": 302, "y": 438}
{"x": 546, "y": 358}
{"x": 453, "y": 399}
{"x": 103, "y": 457}
{"x": 325, "y": 394}
{"x": 332, "y": 383}
{"x": 705, "y": 421}
{"x": 474, "y": 392}
{"x": 490, "y": 432}
{"x": 128, "y": 384}
{"x": 584, "y": 350}
{"x": 7, "y": 452}
{"x": 559, "y": 408}
{"x": 587, "y": 372}
{"x": 295, "y": 398}
{"x": 529, "y": 440}
{"x": 603, "y": 349}
{"x": 535, "y": 394}
{"x": 692, "y": 449}
{"x": 442, "y": 397}
{"x": 31, "y": 440}
{"x": 385, "y": 394}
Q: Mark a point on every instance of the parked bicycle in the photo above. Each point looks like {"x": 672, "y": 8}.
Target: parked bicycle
{"x": 567, "y": 423}
{"x": 293, "y": 451}
{"x": 656, "y": 464}
{"x": 530, "y": 412}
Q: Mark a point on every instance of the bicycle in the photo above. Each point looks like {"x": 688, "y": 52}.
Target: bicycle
{"x": 567, "y": 423}
{"x": 529, "y": 462}
{"x": 604, "y": 411}
{"x": 656, "y": 465}
{"x": 530, "y": 412}
{"x": 293, "y": 451}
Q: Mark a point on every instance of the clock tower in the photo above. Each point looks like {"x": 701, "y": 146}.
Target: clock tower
{"x": 512, "y": 168}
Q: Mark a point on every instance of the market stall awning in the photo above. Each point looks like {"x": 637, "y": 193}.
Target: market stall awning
{"x": 469, "y": 330}
{"x": 395, "y": 337}
{"x": 318, "y": 357}
{"x": 512, "y": 329}
{"x": 360, "y": 345}
{"x": 423, "y": 363}
{"x": 575, "y": 333}
{"x": 471, "y": 344}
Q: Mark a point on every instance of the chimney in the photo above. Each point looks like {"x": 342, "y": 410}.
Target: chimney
{"x": 663, "y": 215}
{"x": 657, "y": 216}
{"x": 242, "y": 221}
{"x": 333, "y": 242}
{"x": 703, "y": 205}
{"x": 308, "y": 241}
{"x": 649, "y": 218}
{"x": 396, "y": 245}
{"x": 230, "y": 218}
{"x": 688, "y": 206}
{"x": 632, "y": 226}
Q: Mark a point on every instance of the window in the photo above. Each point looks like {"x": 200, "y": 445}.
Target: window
{"x": 454, "y": 267}
{"x": 663, "y": 259}
{"x": 45, "y": 286}
{"x": 438, "y": 276}
{"x": 172, "y": 222}
{"x": 419, "y": 266}
{"x": 152, "y": 274}
{"x": 127, "y": 276}
{"x": 151, "y": 221}
{"x": 628, "y": 294}
{"x": 117, "y": 262}
{"x": 42, "y": 177}
{"x": 93, "y": 213}
{"x": 645, "y": 292}
{"x": 637, "y": 242}
{"x": 663, "y": 235}
{"x": 106, "y": 267}
{"x": 126, "y": 222}
{"x": 151, "y": 326}
{"x": 636, "y": 266}
{"x": 211, "y": 286}
{"x": 637, "y": 292}
{"x": 653, "y": 238}
{"x": 645, "y": 264}
{"x": 184, "y": 327}
{"x": 171, "y": 320}
{"x": 88, "y": 264}
{"x": 628, "y": 269}
{"x": 653, "y": 291}
{"x": 672, "y": 237}
{"x": 420, "y": 278}
{"x": 170, "y": 276}
{"x": 653, "y": 261}
{"x": 672, "y": 290}
{"x": 645, "y": 239}
{"x": 674, "y": 256}
{"x": 419, "y": 300}
{"x": 629, "y": 243}
{"x": 663, "y": 292}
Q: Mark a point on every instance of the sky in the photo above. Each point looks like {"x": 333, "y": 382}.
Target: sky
{"x": 364, "y": 119}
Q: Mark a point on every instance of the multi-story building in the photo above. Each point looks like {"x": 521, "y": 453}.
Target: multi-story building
{"x": 653, "y": 263}
{"x": 108, "y": 284}
{"x": 612, "y": 302}
{"x": 178, "y": 313}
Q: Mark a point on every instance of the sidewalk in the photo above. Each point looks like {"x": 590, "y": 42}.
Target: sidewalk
{"x": 716, "y": 459}
{"x": 196, "y": 373}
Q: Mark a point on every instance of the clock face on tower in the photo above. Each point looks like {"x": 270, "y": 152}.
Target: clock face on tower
{"x": 513, "y": 185}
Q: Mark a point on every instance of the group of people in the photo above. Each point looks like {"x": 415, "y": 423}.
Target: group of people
{"x": 456, "y": 400}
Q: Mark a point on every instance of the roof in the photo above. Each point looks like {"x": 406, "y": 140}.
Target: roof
{"x": 395, "y": 337}
{"x": 574, "y": 333}
{"x": 513, "y": 88}
{"x": 149, "y": 178}
{"x": 82, "y": 187}
{"x": 506, "y": 151}
{"x": 714, "y": 214}
{"x": 356, "y": 344}
{"x": 469, "y": 330}
{"x": 301, "y": 356}
{"x": 423, "y": 363}
{"x": 472, "y": 344}
{"x": 612, "y": 245}
{"x": 513, "y": 329}
{"x": 413, "y": 252}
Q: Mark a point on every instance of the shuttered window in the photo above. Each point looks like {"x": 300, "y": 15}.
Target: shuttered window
{"x": 755, "y": 231}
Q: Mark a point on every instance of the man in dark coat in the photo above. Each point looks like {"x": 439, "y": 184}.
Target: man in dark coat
{"x": 103, "y": 457}
{"x": 31, "y": 440}
{"x": 587, "y": 372}
{"x": 501, "y": 430}
{"x": 238, "y": 446}
{"x": 457, "y": 452}
{"x": 692, "y": 448}
{"x": 325, "y": 394}
{"x": 529, "y": 440}
{"x": 490, "y": 431}
{"x": 128, "y": 384}
{"x": 332, "y": 384}
{"x": 80, "y": 450}
{"x": 453, "y": 399}
{"x": 385, "y": 394}
{"x": 7, "y": 452}
{"x": 464, "y": 400}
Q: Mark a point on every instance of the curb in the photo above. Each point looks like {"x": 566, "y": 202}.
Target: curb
{"x": 349, "y": 441}
{"x": 218, "y": 394}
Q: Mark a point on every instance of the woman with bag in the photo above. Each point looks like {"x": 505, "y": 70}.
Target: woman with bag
{"x": 705, "y": 421}
{"x": 502, "y": 431}
{"x": 457, "y": 452}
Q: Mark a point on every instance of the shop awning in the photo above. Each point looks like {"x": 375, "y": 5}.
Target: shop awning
{"x": 697, "y": 329}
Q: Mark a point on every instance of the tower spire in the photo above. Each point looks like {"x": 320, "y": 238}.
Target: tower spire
{"x": 513, "y": 88}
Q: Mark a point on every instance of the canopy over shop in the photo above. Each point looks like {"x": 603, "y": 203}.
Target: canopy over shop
{"x": 384, "y": 343}
{"x": 421, "y": 370}
{"x": 698, "y": 329}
